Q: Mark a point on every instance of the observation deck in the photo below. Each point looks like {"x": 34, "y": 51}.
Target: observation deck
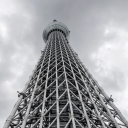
{"x": 55, "y": 25}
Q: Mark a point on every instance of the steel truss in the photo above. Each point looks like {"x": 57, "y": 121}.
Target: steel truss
{"x": 61, "y": 93}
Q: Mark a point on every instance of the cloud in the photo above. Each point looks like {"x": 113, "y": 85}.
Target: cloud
{"x": 111, "y": 61}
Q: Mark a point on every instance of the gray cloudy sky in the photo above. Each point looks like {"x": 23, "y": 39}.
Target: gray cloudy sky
{"x": 99, "y": 34}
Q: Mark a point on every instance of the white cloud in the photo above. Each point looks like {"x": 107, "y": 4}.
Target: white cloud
{"x": 114, "y": 52}
{"x": 111, "y": 61}
{"x": 7, "y": 7}
{"x": 8, "y": 88}
{"x": 3, "y": 30}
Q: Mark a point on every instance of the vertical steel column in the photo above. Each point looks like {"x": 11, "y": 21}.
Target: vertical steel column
{"x": 85, "y": 114}
{"x": 112, "y": 118}
{"x": 43, "y": 106}
{"x": 69, "y": 97}
{"x": 87, "y": 89}
{"x": 8, "y": 121}
{"x": 57, "y": 96}
{"x": 30, "y": 103}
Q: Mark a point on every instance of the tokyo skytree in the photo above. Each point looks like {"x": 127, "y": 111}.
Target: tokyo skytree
{"x": 61, "y": 93}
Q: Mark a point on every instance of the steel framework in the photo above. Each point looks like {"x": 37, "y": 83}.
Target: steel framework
{"x": 61, "y": 93}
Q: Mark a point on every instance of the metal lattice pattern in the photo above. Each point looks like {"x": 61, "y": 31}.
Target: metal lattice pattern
{"x": 61, "y": 93}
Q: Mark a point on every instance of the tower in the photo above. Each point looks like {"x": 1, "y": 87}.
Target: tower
{"x": 61, "y": 93}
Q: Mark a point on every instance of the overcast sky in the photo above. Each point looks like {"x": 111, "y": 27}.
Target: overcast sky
{"x": 99, "y": 34}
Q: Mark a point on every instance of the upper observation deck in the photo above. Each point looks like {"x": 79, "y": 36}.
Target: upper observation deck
{"x": 55, "y": 25}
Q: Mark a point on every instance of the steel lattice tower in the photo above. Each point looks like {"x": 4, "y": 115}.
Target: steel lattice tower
{"x": 61, "y": 93}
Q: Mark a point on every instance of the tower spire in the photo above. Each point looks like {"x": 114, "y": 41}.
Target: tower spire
{"x": 61, "y": 93}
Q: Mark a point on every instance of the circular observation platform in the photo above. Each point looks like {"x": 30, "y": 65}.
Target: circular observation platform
{"x": 55, "y": 25}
